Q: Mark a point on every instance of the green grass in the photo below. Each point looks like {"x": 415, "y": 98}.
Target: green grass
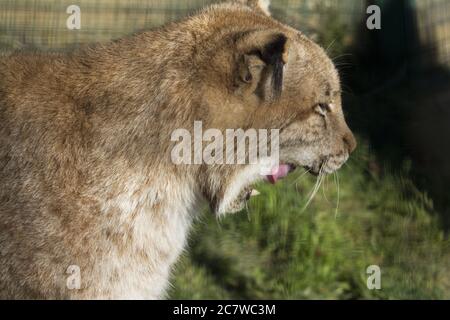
{"x": 278, "y": 251}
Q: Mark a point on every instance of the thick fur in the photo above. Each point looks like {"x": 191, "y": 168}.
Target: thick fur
{"x": 86, "y": 177}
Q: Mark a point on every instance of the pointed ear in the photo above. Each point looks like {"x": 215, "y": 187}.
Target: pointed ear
{"x": 262, "y": 55}
{"x": 259, "y": 5}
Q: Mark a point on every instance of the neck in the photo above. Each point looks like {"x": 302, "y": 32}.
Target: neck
{"x": 150, "y": 217}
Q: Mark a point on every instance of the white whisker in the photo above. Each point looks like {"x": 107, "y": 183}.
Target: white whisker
{"x": 325, "y": 188}
{"x": 248, "y": 212}
{"x": 301, "y": 176}
{"x": 316, "y": 186}
{"x": 336, "y": 180}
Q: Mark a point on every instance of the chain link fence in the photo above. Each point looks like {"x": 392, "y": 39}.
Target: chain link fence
{"x": 42, "y": 23}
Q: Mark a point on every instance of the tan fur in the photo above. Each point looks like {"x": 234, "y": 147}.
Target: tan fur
{"x": 85, "y": 172}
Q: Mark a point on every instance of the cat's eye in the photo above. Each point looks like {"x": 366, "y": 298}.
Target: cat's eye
{"x": 323, "y": 108}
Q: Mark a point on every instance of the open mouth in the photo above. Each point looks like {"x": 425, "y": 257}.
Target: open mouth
{"x": 238, "y": 201}
{"x": 283, "y": 170}
{"x": 279, "y": 172}
{"x": 245, "y": 190}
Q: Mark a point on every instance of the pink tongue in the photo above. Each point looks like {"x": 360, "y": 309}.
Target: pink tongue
{"x": 278, "y": 173}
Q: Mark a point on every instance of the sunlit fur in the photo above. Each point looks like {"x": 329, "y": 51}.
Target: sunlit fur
{"x": 85, "y": 171}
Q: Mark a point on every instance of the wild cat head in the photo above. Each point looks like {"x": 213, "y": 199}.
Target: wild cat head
{"x": 258, "y": 74}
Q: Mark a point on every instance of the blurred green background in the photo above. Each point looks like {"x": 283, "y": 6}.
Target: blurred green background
{"x": 389, "y": 206}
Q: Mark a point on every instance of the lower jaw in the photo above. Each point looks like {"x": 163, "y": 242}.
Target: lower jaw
{"x": 249, "y": 192}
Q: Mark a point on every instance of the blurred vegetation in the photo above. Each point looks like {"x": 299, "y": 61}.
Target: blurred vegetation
{"x": 391, "y": 206}
{"x": 277, "y": 250}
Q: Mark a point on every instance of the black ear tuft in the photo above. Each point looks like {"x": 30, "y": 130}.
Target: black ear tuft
{"x": 272, "y": 55}
{"x": 270, "y": 47}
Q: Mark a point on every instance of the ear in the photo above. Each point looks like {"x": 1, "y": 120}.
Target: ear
{"x": 259, "y": 5}
{"x": 262, "y": 55}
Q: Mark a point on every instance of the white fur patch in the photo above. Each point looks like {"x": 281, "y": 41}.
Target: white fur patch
{"x": 242, "y": 179}
{"x": 156, "y": 239}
